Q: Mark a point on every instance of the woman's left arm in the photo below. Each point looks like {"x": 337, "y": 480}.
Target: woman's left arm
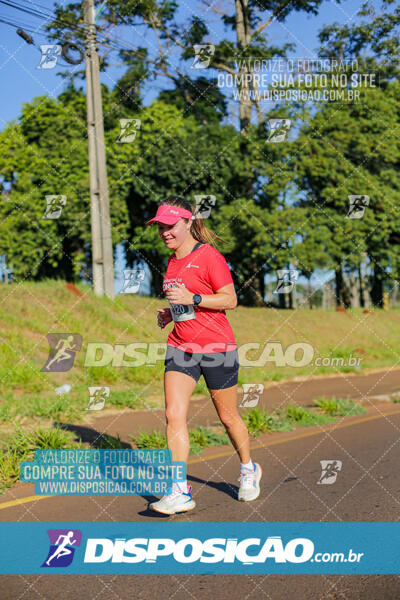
{"x": 223, "y": 299}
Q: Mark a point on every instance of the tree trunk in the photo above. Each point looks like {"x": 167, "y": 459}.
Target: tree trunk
{"x": 395, "y": 293}
{"x": 261, "y": 283}
{"x": 256, "y": 101}
{"x": 361, "y": 286}
{"x": 251, "y": 292}
{"x": 377, "y": 290}
{"x": 282, "y": 300}
{"x": 243, "y": 38}
{"x": 310, "y": 295}
{"x": 340, "y": 287}
{"x": 354, "y": 290}
{"x": 291, "y": 300}
{"x": 156, "y": 281}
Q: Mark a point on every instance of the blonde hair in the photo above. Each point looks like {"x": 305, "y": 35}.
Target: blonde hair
{"x": 198, "y": 230}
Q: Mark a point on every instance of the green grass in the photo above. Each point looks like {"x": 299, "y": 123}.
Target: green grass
{"x": 20, "y": 445}
{"x": 339, "y": 407}
{"x": 27, "y": 395}
{"x": 199, "y": 438}
{"x": 24, "y": 348}
{"x": 129, "y": 399}
{"x": 302, "y": 417}
{"x": 155, "y": 439}
{"x": 259, "y": 421}
{"x": 291, "y": 416}
{"x": 46, "y": 406}
{"x": 68, "y": 407}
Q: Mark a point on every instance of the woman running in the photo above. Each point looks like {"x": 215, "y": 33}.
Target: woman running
{"x": 199, "y": 287}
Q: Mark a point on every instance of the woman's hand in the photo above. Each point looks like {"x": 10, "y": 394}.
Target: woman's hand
{"x": 164, "y": 317}
{"x": 179, "y": 295}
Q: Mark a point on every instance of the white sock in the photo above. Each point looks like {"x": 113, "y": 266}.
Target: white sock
{"x": 181, "y": 485}
{"x": 247, "y": 467}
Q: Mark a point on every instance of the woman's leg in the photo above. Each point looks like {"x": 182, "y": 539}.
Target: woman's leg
{"x": 225, "y": 402}
{"x": 178, "y": 387}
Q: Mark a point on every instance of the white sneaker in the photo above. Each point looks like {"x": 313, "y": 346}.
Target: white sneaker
{"x": 250, "y": 484}
{"x": 176, "y": 502}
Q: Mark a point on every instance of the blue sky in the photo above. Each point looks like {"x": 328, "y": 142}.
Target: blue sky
{"x": 22, "y": 80}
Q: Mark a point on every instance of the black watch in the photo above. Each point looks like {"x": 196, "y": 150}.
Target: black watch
{"x": 197, "y": 299}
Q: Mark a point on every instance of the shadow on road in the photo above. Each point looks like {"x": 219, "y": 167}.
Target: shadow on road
{"x": 100, "y": 440}
{"x": 94, "y": 437}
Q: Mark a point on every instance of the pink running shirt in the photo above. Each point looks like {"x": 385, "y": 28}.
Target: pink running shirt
{"x": 204, "y": 271}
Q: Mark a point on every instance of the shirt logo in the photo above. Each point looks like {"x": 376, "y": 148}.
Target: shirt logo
{"x": 191, "y": 265}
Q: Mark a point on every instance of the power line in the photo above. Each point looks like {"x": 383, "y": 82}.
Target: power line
{"x": 24, "y": 9}
{"x": 24, "y": 27}
{"x": 41, "y": 15}
{"x": 48, "y": 15}
{"x": 102, "y": 39}
{"x": 17, "y": 24}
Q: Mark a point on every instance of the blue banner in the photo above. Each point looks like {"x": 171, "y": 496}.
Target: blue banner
{"x": 209, "y": 548}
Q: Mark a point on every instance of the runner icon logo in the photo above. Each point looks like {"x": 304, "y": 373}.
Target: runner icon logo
{"x": 62, "y": 351}
{"x": 204, "y": 204}
{"x": 132, "y": 280}
{"x": 98, "y": 396}
{"x": 286, "y": 280}
{"x": 203, "y": 55}
{"x": 54, "y": 206}
{"x": 129, "y": 129}
{"x": 50, "y": 55}
{"x": 330, "y": 470}
{"x": 357, "y": 206}
{"x": 62, "y": 547}
{"x": 251, "y": 394}
{"x": 278, "y": 130}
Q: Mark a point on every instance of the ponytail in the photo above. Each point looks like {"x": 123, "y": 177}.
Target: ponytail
{"x": 198, "y": 230}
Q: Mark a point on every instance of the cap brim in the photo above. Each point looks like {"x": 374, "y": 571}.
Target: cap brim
{"x": 164, "y": 220}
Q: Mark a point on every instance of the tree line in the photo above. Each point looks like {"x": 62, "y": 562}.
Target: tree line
{"x": 277, "y": 205}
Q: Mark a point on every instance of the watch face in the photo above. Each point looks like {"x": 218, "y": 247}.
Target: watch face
{"x": 196, "y": 299}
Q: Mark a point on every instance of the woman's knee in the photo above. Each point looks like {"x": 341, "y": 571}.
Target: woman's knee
{"x": 229, "y": 417}
{"x": 175, "y": 415}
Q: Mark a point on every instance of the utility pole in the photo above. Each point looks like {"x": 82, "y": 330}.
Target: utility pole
{"x": 102, "y": 250}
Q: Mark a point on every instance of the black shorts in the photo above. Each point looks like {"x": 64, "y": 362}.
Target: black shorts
{"x": 220, "y": 369}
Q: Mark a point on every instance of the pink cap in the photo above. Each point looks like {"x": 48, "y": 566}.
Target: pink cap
{"x": 170, "y": 214}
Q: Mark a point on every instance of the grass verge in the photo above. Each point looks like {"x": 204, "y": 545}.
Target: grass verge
{"x": 199, "y": 438}
{"x": 20, "y": 445}
{"x": 260, "y": 421}
{"x": 374, "y": 344}
{"x": 339, "y": 407}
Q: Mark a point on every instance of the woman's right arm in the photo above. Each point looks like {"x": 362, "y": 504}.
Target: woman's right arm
{"x": 164, "y": 317}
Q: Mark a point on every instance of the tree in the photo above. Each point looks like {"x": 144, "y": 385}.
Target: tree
{"x": 352, "y": 150}
{"x": 45, "y": 154}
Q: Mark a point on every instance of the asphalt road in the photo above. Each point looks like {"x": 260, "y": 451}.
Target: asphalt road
{"x": 367, "y": 489}
{"x": 362, "y": 388}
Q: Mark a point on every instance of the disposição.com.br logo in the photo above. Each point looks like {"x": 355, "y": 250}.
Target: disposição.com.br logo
{"x": 186, "y": 550}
